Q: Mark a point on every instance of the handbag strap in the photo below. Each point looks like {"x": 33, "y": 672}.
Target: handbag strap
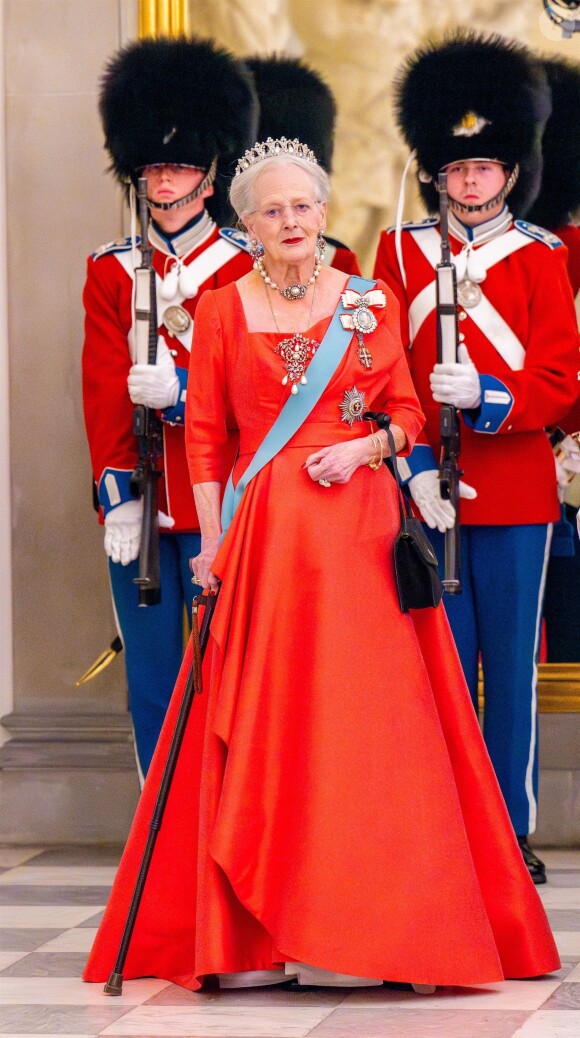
{"x": 297, "y": 408}
{"x": 383, "y": 420}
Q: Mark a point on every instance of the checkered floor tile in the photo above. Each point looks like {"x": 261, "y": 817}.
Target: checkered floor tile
{"x": 51, "y": 901}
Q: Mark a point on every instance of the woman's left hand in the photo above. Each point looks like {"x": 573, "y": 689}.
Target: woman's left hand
{"x": 337, "y": 463}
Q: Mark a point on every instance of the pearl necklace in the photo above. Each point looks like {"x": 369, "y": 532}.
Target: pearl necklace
{"x": 292, "y": 292}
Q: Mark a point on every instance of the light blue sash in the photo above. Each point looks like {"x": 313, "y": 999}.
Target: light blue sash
{"x": 297, "y": 408}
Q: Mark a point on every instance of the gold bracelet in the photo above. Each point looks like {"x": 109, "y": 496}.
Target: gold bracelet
{"x": 375, "y": 464}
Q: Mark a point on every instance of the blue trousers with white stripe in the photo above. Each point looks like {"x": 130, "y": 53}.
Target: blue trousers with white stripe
{"x": 153, "y": 636}
{"x": 498, "y": 614}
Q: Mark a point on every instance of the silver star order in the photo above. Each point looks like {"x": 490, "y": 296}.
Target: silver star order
{"x": 353, "y": 406}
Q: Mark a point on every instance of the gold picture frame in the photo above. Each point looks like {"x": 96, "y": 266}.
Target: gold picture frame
{"x": 163, "y": 18}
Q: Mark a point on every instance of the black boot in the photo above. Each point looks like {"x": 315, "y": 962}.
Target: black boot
{"x": 536, "y": 867}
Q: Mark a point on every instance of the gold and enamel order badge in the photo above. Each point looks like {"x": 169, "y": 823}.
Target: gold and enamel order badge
{"x": 362, "y": 320}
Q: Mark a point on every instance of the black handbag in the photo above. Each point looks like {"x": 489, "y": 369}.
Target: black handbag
{"x": 416, "y": 575}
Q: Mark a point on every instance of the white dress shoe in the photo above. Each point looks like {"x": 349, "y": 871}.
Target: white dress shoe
{"x": 314, "y": 977}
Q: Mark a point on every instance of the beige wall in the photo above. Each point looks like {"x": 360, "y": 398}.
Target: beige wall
{"x": 60, "y": 206}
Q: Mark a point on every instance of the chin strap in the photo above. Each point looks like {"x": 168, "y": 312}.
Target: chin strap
{"x": 197, "y": 191}
{"x": 460, "y": 207}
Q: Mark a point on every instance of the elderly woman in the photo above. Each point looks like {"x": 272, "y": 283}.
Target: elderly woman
{"x": 333, "y": 813}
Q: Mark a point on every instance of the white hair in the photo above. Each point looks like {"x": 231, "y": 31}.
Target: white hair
{"x": 243, "y": 186}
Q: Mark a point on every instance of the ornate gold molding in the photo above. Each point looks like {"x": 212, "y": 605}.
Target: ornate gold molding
{"x": 558, "y": 688}
{"x": 163, "y": 18}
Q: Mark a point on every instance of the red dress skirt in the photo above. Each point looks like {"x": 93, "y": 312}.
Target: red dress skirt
{"x": 333, "y": 802}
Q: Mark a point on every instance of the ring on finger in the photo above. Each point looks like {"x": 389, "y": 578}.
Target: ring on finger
{"x": 324, "y": 483}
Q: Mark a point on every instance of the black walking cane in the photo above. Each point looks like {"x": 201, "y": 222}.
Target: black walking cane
{"x": 114, "y": 985}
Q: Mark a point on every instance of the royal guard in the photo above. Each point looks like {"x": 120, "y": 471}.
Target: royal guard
{"x": 475, "y": 106}
{"x": 555, "y": 207}
{"x": 295, "y": 102}
{"x": 558, "y": 202}
{"x": 177, "y": 112}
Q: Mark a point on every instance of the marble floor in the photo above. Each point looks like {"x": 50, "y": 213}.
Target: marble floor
{"x": 51, "y": 901}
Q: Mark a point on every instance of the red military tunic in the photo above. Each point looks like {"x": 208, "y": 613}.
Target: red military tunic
{"x": 107, "y": 358}
{"x": 340, "y": 257}
{"x": 505, "y": 452}
{"x": 570, "y": 235}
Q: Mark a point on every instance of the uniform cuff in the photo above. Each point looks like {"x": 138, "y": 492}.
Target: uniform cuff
{"x": 176, "y": 415}
{"x": 113, "y": 488}
{"x": 496, "y": 404}
{"x": 420, "y": 459}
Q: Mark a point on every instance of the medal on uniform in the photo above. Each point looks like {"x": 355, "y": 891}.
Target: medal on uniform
{"x": 468, "y": 293}
{"x": 353, "y": 406}
{"x": 470, "y": 273}
{"x": 176, "y": 320}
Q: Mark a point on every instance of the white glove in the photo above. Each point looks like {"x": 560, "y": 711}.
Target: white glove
{"x": 457, "y": 384}
{"x": 123, "y": 530}
{"x": 425, "y": 491}
{"x": 155, "y": 385}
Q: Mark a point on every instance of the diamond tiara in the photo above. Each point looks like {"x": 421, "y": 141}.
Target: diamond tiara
{"x": 270, "y": 148}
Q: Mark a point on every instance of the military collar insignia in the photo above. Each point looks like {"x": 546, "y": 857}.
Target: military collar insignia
{"x": 185, "y": 242}
{"x": 482, "y": 232}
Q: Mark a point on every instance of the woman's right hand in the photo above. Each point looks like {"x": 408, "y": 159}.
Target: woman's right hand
{"x": 200, "y": 566}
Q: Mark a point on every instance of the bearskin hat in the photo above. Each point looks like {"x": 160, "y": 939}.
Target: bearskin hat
{"x": 295, "y": 102}
{"x": 474, "y": 96}
{"x": 559, "y": 196}
{"x": 180, "y": 101}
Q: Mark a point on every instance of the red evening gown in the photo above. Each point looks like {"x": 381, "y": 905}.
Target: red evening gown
{"x": 333, "y": 802}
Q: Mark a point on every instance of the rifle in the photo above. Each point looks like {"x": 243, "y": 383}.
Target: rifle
{"x": 146, "y": 425}
{"x": 447, "y": 343}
